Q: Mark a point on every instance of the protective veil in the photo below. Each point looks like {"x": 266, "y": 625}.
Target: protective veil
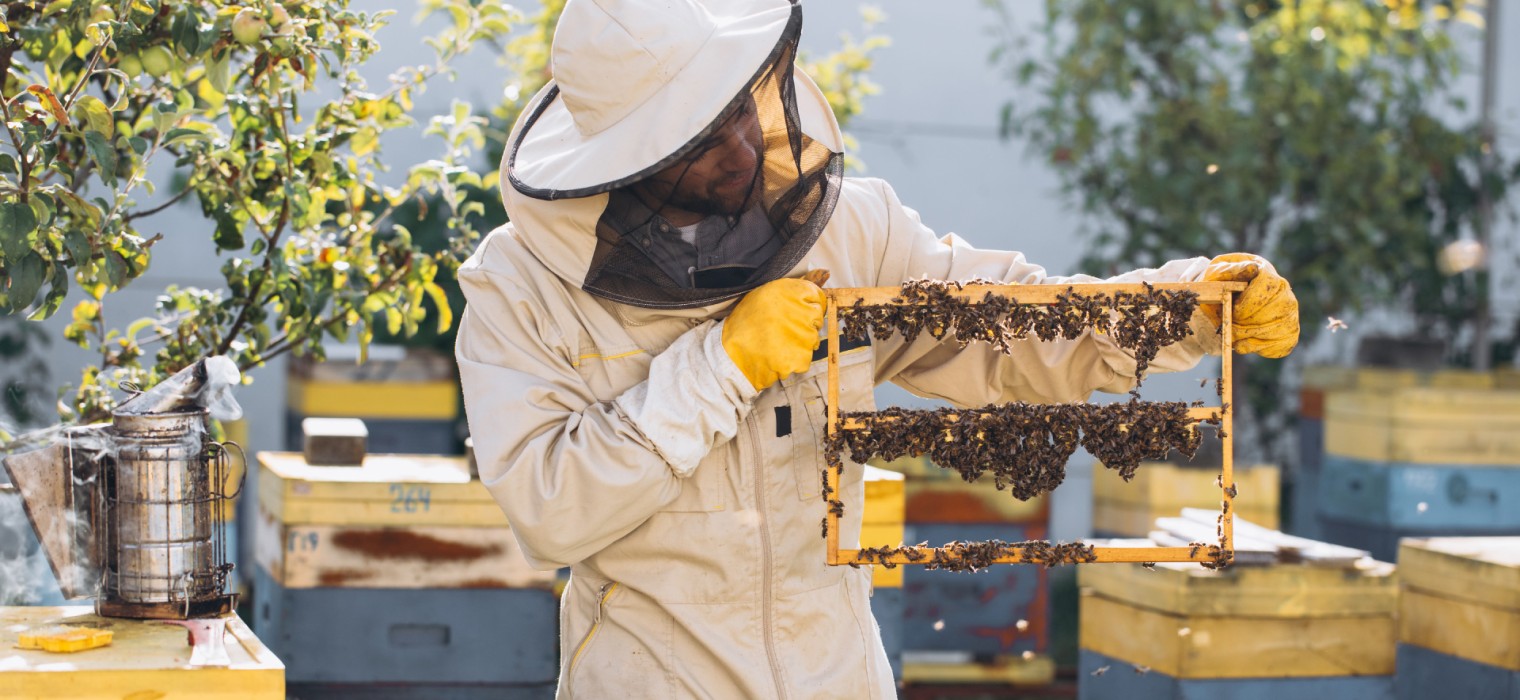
{"x": 774, "y": 215}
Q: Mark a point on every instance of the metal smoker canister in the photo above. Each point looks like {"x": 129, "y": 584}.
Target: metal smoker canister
{"x": 164, "y": 553}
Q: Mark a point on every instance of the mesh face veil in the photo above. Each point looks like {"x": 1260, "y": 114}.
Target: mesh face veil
{"x": 751, "y": 191}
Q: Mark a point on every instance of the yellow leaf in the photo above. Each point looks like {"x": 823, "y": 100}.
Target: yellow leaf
{"x": 50, "y": 101}
{"x": 441, "y": 300}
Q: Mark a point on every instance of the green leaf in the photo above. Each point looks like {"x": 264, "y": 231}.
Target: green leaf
{"x": 186, "y": 33}
{"x": 57, "y": 291}
{"x": 8, "y": 164}
{"x": 103, "y": 154}
{"x": 229, "y": 234}
{"x": 116, "y": 268}
{"x": 96, "y": 115}
{"x": 26, "y": 279}
{"x": 184, "y": 134}
{"x": 219, "y": 72}
{"x": 78, "y": 246}
{"x": 17, "y": 221}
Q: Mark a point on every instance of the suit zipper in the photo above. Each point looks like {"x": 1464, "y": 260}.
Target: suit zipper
{"x": 603, "y": 595}
{"x": 765, "y": 558}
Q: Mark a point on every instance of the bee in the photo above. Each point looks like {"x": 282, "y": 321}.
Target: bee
{"x": 1142, "y": 669}
{"x": 1148, "y": 565}
{"x": 1232, "y": 490}
{"x": 1099, "y": 671}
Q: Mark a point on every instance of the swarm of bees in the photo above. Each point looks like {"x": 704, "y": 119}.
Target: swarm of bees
{"x": 1023, "y": 446}
{"x": 1142, "y": 323}
{"x": 974, "y": 556}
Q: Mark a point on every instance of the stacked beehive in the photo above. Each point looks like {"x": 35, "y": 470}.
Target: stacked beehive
{"x": 882, "y": 526}
{"x": 1278, "y": 631}
{"x": 400, "y": 574}
{"x": 410, "y": 402}
{"x": 1303, "y": 508}
{"x": 1459, "y": 618}
{"x": 1162, "y": 489}
{"x": 1405, "y": 459}
{"x": 989, "y": 627}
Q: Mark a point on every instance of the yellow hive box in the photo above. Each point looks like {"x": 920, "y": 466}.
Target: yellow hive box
{"x": 407, "y": 490}
{"x": 146, "y": 659}
{"x": 1424, "y": 426}
{"x": 1162, "y": 489}
{"x": 1461, "y": 596}
{"x": 1036, "y": 670}
{"x": 399, "y": 521}
{"x": 882, "y": 523}
{"x": 418, "y": 385}
{"x": 1242, "y": 622}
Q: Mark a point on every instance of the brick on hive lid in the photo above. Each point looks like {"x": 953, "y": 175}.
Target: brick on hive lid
{"x": 334, "y": 442}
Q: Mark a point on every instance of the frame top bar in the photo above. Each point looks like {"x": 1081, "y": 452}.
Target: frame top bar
{"x": 1208, "y": 292}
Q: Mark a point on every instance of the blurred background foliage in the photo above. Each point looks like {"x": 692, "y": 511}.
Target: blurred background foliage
{"x": 1329, "y": 136}
{"x": 259, "y": 114}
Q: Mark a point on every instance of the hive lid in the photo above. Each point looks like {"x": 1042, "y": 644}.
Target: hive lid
{"x": 1483, "y": 570}
{"x": 1365, "y": 587}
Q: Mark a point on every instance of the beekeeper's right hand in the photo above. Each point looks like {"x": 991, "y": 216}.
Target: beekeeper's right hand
{"x": 773, "y": 331}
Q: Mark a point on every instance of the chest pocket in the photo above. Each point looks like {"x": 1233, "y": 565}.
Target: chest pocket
{"x": 808, "y": 394}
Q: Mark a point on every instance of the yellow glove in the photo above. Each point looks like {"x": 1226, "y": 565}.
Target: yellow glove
{"x": 1266, "y": 313}
{"x": 774, "y": 329}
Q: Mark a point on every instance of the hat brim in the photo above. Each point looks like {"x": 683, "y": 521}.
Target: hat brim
{"x": 549, "y": 158}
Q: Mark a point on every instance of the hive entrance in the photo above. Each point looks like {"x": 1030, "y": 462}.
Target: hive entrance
{"x": 1024, "y": 447}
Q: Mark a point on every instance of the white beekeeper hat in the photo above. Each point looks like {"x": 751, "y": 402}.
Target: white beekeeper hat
{"x": 636, "y": 81}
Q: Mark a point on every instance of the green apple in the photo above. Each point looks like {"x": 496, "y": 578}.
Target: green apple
{"x": 157, "y": 60}
{"x": 130, "y": 64}
{"x": 248, "y": 26}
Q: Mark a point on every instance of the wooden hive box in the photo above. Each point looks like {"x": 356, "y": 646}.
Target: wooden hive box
{"x": 1460, "y": 597}
{"x": 146, "y": 659}
{"x": 410, "y": 403}
{"x": 1425, "y": 425}
{"x": 1247, "y": 624}
{"x": 882, "y": 525}
{"x": 1162, "y": 489}
{"x": 936, "y": 495}
{"x": 399, "y": 521}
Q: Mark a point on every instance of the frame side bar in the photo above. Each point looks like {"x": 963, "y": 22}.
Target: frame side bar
{"x": 831, "y": 476}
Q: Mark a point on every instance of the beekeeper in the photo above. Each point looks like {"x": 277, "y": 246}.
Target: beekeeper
{"x": 641, "y": 362}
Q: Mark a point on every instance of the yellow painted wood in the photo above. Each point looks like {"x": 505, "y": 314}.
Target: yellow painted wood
{"x": 1189, "y": 646}
{"x": 1171, "y": 486}
{"x": 1281, "y": 591}
{"x": 1324, "y": 377}
{"x": 1507, "y": 378}
{"x": 412, "y": 556}
{"x": 435, "y": 400}
{"x": 926, "y": 480}
{"x": 1385, "y": 378}
{"x": 386, "y": 490}
{"x": 1005, "y": 670}
{"x": 1482, "y": 570}
{"x": 146, "y": 659}
{"x": 1424, "y": 426}
{"x": 1132, "y": 520}
{"x": 1463, "y": 629}
{"x": 883, "y": 536}
{"x": 1462, "y": 379}
{"x": 884, "y": 497}
{"x": 1037, "y": 293}
{"x": 883, "y": 520}
{"x": 1101, "y": 555}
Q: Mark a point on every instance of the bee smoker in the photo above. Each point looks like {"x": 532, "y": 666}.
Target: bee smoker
{"x": 131, "y": 512}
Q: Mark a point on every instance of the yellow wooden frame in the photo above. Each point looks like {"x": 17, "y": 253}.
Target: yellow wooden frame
{"x": 1218, "y": 293}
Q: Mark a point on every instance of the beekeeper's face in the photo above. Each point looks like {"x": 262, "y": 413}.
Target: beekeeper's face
{"x": 718, "y": 177}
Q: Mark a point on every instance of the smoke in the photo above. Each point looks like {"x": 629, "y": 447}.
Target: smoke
{"x": 25, "y": 577}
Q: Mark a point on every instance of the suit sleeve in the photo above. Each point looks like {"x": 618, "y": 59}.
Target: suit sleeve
{"x": 574, "y": 474}
{"x": 1036, "y": 371}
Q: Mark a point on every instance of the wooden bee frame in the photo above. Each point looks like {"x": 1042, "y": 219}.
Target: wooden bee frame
{"x": 1217, "y": 293}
